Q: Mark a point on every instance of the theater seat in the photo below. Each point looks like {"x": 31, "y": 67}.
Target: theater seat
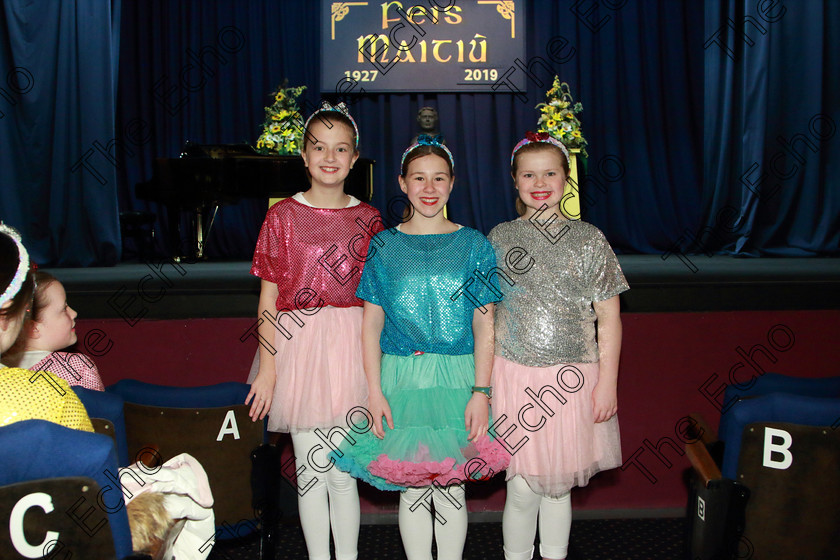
{"x": 40, "y": 526}
{"x": 772, "y": 408}
{"x": 824, "y": 387}
{"x": 779, "y": 449}
{"x": 210, "y": 423}
{"x": 37, "y": 449}
{"x": 106, "y": 414}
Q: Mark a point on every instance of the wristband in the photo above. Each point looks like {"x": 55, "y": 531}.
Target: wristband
{"x": 486, "y": 391}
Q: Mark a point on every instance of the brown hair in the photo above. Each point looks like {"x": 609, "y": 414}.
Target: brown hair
{"x": 329, "y": 118}
{"x": 422, "y": 150}
{"x": 521, "y": 209}
{"x": 39, "y": 301}
{"x": 9, "y": 262}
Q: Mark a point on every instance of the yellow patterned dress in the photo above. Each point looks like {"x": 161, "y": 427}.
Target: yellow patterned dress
{"x": 39, "y": 395}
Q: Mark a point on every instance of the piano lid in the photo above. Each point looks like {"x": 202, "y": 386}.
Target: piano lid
{"x": 211, "y": 174}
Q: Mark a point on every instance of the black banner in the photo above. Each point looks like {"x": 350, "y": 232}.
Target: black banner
{"x": 429, "y": 46}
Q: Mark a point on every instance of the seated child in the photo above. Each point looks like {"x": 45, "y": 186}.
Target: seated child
{"x": 178, "y": 490}
{"x": 25, "y": 395}
{"x": 49, "y": 328}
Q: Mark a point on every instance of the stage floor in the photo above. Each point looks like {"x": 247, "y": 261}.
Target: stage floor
{"x": 226, "y": 289}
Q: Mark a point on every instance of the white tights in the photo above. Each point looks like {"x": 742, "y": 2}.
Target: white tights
{"x": 332, "y": 499}
{"x": 449, "y": 524}
{"x": 519, "y": 522}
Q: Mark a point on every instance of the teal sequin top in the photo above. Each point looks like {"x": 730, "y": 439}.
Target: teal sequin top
{"x": 428, "y": 286}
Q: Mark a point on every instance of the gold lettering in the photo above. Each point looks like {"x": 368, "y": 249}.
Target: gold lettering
{"x": 483, "y": 57}
{"x": 423, "y": 50}
{"x": 403, "y": 53}
{"x": 370, "y": 42}
{"x": 385, "y": 7}
{"x": 460, "y": 44}
{"x": 451, "y": 17}
{"x": 436, "y": 49}
{"x": 414, "y": 11}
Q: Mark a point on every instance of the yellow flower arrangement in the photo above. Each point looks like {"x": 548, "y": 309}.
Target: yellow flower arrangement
{"x": 283, "y": 126}
{"x": 558, "y": 117}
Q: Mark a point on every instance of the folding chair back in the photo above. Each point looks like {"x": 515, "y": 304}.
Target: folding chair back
{"x": 37, "y": 449}
{"x": 211, "y": 424}
{"x": 784, "y": 449}
{"x": 220, "y": 438}
{"x": 48, "y": 518}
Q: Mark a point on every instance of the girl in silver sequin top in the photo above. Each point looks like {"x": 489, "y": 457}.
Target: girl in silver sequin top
{"x": 558, "y": 338}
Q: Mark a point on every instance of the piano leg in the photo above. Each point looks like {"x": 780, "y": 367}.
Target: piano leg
{"x": 200, "y": 233}
{"x": 210, "y": 225}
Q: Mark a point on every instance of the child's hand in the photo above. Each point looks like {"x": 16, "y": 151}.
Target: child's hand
{"x": 379, "y": 407}
{"x": 477, "y": 416}
{"x": 604, "y": 402}
{"x": 262, "y": 391}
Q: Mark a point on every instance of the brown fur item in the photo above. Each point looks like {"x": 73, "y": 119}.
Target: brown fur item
{"x": 148, "y": 520}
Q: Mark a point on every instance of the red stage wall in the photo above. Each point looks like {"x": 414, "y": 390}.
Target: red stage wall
{"x": 666, "y": 358}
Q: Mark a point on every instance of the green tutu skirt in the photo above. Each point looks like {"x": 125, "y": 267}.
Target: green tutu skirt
{"x": 428, "y": 395}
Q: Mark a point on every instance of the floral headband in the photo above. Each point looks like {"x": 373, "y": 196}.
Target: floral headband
{"x": 533, "y": 137}
{"x": 23, "y": 266}
{"x": 427, "y": 140}
{"x": 327, "y": 108}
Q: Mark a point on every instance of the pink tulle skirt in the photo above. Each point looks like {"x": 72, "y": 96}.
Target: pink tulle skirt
{"x": 320, "y": 377}
{"x": 563, "y": 450}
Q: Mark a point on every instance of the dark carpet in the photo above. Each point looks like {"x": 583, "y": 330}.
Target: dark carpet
{"x": 598, "y": 539}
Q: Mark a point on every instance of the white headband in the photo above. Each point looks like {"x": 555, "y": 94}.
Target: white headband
{"x": 23, "y": 266}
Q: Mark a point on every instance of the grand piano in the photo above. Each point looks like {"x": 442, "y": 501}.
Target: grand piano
{"x": 208, "y": 176}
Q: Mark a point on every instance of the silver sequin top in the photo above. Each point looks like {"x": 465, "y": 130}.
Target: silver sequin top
{"x": 554, "y": 274}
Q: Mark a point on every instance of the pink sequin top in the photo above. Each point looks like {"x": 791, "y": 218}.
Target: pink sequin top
{"x": 76, "y": 369}
{"x": 315, "y": 255}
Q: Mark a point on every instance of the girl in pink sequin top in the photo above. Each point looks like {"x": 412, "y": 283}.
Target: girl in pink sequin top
{"x": 310, "y": 255}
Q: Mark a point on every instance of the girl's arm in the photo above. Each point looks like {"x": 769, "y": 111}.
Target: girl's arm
{"x": 604, "y": 394}
{"x": 373, "y": 321}
{"x": 477, "y": 414}
{"x": 262, "y": 388}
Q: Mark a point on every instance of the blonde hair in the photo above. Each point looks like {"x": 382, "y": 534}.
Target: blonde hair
{"x": 521, "y": 209}
{"x": 148, "y": 521}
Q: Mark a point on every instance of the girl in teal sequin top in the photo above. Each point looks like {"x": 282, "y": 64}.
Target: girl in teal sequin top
{"x": 427, "y": 339}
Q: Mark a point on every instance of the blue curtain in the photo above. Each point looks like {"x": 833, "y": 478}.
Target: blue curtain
{"x": 685, "y": 114}
{"x": 58, "y": 63}
{"x": 203, "y": 72}
{"x": 770, "y": 118}
{"x": 635, "y": 66}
